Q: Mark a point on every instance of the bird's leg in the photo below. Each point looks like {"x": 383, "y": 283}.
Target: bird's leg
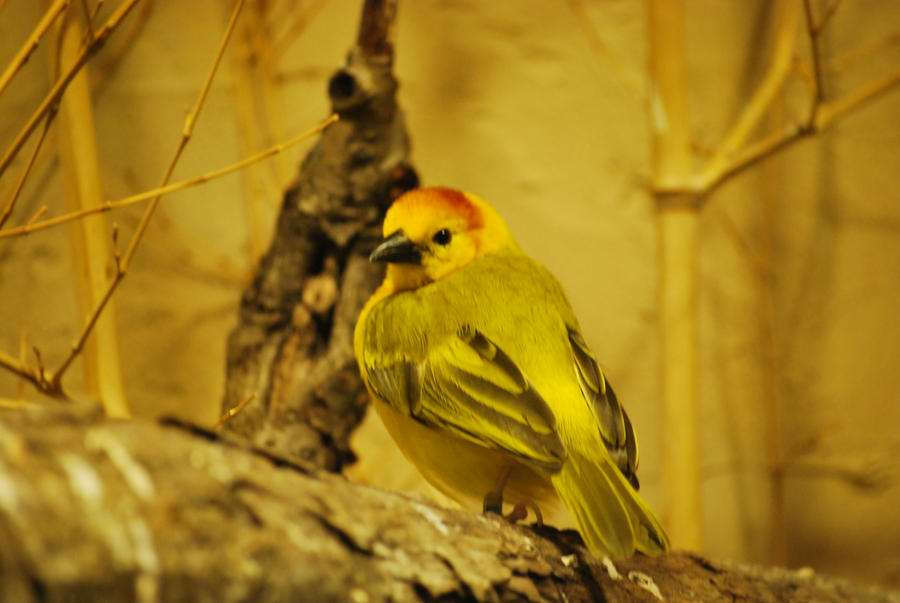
{"x": 493, "y": 500}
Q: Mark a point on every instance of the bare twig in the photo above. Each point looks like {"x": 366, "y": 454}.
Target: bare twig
{"x": 52, "y": 383}
{"x": 234, "y": 411}
{"x": 299, "y": 21}
{"x": 23, "y": 177}
{"x": 35, "y": 376}
{"x": 89, "y": 23}
{"x": 122, "y": 266}
{"x": 23, "y": 354}
{"x": 55, "y": 10}
{"x": 167, "y": 189}
{"x": 37, "y": 215}
{"x": 124, "y": 42}
{"x": 96, "y": 10}
{"x": 629, "y": 80}
{"x": 813, "y": 30}
{"x": 764, "y": 95}
{"x": 864, "y": 51}
{"x": 825, "y": 115}
{"x": 79, "y": 159}
{"x": 52, "y": 97}
{"x": 835, "y": 109}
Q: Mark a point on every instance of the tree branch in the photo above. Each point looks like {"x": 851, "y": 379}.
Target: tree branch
{"x": 59, "y": 87}
{"x": 94, "y": 509}
{"x": 53, "y": 12}
{"x": 168, "y": 189}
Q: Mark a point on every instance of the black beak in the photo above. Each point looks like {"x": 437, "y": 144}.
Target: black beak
{"x": 397, "y": 249}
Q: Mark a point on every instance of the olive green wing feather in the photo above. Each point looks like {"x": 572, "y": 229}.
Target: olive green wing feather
{"x": 612, "y": 421}
{"x": 473, "y": 389}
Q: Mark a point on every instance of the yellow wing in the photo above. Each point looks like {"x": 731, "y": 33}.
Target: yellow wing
{"x": 469, "y": 387}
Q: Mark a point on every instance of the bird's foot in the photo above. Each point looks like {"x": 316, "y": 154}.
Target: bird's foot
{"x": 520, "y": 512}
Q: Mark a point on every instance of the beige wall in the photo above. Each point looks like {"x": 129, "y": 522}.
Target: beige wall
{"x": 508, "y": 100}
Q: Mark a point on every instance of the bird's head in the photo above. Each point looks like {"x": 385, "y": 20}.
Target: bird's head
{"x": 430, "y": 232}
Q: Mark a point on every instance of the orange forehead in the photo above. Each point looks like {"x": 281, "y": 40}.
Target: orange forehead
{"x": 422, "y": 209}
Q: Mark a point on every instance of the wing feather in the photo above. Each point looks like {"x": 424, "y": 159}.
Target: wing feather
{"x": 613, "y": 423}
{"x": 470, "y": 387}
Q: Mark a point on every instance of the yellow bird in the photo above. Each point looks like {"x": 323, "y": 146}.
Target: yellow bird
{"x": 477, "y": 367}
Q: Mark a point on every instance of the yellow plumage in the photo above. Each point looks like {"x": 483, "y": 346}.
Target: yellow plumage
{"x": 476, "y": 365}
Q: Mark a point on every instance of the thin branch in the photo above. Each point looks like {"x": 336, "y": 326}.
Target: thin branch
{"x": 628, "y": 78}
{"x": 764, "y": 95}
{"x": 96, "y": 10}
{"x": 122, "y": 266}
{"x": 23, "y": 354}
{"x": 813, "y": 30}
{"x": 167, "y": 189}
{"x": 864, "y": 51}
{"x": 825, "y": 115}
{"x": 89, "y": 24}
{"x": 23, "y": 177}
{"x": 301, "y": 20}
{"x": 833, "y": 110}
{"x": 56, "y": 377}
{"x": 23, "y": 371}
{"x": 52, "y": 384}
{"x": 870, "y": 478}
{"x": 59, "y": 87}
{"x": 37, "y": 215}
{"x": 234, "y": 411}
{"x": 186, "y": 134}
{"x": 55, "y": 10}
{"x": 111, "y": 59}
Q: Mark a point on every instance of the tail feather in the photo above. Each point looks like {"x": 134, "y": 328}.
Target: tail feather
{"x": 611, "y": 516}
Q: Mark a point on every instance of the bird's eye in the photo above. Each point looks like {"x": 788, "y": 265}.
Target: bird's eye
{"x": 442, "y": 237}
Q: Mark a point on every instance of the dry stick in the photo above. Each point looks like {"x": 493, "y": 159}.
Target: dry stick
{"x": 122, "y": 266}
{"x": 89, "y": 22}
{"x": 300, "y": 21}
{"x": 19, "y": 367}
{"x": 169, "y": 188}
{"x": 826, "y": 114}
{"x": 628, "y": 79}
{"x": 37, "y": 215}
{"x": 677, "y": 227}
{"x": 59, "y": 87}
{"x": 83, "y": 186}
{"x": 51, "y": 383}
{"x": 23, "y": 354}
{"x": 863, "y": 51}
{"x": 813, "y": 33}
{"x": 20, "y": 184}
{"x": 55, "y": 10}
{"x": 96, "y": 10}
{"x": 234, "y": 411}
{"x": 764, "y": 95}
{"x": 124, "y": 42}
{"x": 256, "y": 186}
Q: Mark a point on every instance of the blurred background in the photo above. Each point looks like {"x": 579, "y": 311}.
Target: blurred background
{"x": 543, "y": 108}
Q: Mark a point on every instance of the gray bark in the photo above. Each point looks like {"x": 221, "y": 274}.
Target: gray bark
{"x": 93, "y": 509}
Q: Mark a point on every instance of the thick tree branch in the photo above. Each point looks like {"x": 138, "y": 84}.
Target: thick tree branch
{"x": 99, "y": 510}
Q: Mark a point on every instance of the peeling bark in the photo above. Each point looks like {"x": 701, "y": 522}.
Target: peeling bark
{"x": 93, "y": 509}
{"x": 293, "y": 347}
